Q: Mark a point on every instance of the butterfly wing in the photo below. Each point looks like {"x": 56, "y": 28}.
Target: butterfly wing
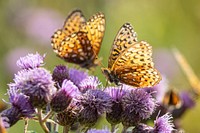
{"x": 135, "y": 66}
{"x": 72, "y": 24}
{"x": 95, "y": 28}
{"x": 124, "y": 39}
{"x": 76, "y": 48}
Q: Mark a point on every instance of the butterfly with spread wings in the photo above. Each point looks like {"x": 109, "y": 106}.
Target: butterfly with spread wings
{"x": 79, "y": 41}
{"x": 130, "y": 61}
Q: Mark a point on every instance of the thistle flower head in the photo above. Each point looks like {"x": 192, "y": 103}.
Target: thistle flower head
{"x": 76, "y": 76}
{"x": 94, "y": 103}
{"x": 60, "y": 73}
{"x": 37, "y": 84}
{"x": 90, "y": 82}
{"x": 138, "y": 105}
{"x": 21, "y": 107}
{"x": 63, "y": 97}
{"x": 21, "y": 102}
{"x": 31, "y": 61}
{"x": 163, "y": 124}
{"x": 96, "y": 99}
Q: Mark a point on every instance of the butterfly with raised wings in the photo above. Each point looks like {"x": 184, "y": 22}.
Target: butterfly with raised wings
{"x": 172, "y": 99}
{"x": 79, "y": 41}
{"x": 130, "y": 62}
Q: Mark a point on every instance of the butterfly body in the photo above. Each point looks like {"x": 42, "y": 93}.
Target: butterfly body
{"x": 79, "y": 41}
{"x": 130, "y": 61}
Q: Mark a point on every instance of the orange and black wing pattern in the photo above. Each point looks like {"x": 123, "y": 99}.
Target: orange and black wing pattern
{"x": 80, "y": 43}
{"x": 130, "y": 61}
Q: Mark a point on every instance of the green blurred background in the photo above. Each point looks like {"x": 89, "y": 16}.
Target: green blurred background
{"x": 26, "y": 27}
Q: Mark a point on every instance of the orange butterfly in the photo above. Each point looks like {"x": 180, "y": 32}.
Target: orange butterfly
{"x": 130, "y": 61}
{"x": 79, "y": 41}
{"x": 172, "y": 99}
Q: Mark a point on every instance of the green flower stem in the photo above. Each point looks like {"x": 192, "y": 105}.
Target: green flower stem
{"x": 50, "y": 113}
{"x": 42, "y": 124}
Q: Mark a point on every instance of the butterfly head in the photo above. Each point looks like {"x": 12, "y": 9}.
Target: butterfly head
{"x": 110, "y": 76}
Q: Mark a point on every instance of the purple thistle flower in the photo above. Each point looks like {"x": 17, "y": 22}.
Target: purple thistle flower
{"x": 76, "y": 76}
{"x": 106, "y": 130}
{"x": 94, "y": 103}
{"x": 163, "y": 124}
{"x": 21, "y": 107}
{"x": 37, "y": 84}
{"x": 114, "y": 117}
{"x": 60, "y": 73}
{"x": 90, "y": 82}
{"x": 137, "y": 105}
{"x": 63, "y": 97}
{"x": 21, "y": 102}
{"x": 31, "y": 61}
{"x": 142, "y": 128}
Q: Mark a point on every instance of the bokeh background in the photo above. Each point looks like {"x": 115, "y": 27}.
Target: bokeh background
{"x": 26, "y": 27}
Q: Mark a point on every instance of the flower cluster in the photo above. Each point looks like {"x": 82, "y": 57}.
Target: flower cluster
{"x": 77, "y": 100}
